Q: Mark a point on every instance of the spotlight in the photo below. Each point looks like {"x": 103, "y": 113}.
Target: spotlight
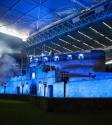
{"x": 24, "y": 39}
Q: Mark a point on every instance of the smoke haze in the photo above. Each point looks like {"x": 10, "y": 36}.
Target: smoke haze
{"x": 8, "y": 68}
{"x": 10, "y": 56}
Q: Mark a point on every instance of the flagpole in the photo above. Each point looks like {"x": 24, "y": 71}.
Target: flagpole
{"x": 22, "y": 85}
{"x": 42, "y": 54}
{"x": 51, "y": 54}
{"x": 50, "y": 64}
{"x": 28, "y": 58}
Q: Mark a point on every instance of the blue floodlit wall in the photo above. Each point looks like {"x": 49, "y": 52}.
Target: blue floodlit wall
{"x": 31, "y": 85}
{"x": 90, "y": 88}
{"x": 39, "y": 82}
{"x": 1, "y": 89}
{"x": 85, "y": 88}
{"x": 58, "y": 89}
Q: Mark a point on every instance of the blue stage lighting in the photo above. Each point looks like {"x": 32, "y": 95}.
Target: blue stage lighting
{"x": 69, "y": 57}
{"x": 56, "y": 58}
{"x": 45, "y": 59}
{"x": 80, "y": 56}
{"x": 33, "y": 75}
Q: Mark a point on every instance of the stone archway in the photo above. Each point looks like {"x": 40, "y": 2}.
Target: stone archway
{"x": 33, "y": 89}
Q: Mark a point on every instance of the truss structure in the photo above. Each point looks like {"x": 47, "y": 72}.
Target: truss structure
{"x": 83, "y": 19}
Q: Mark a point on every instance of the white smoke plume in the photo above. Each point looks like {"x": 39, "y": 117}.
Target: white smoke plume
{"x": 6, "y": 48}
{"x": 8, "y": 68}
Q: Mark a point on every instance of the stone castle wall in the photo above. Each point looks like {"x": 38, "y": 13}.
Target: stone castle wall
{"x": 85, "y": 78}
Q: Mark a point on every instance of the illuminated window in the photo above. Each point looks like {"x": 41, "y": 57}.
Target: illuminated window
{"x": 80, "y": 56}
{"x": 45, "y": 59}
{"x": 36, "y": 59}
{"x": 56, "y": 58}
{"x": 69, "y": 57}
{"x": 33, "y": 75}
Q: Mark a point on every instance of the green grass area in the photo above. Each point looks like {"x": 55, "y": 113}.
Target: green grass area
{"x": 24, "y": 113}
